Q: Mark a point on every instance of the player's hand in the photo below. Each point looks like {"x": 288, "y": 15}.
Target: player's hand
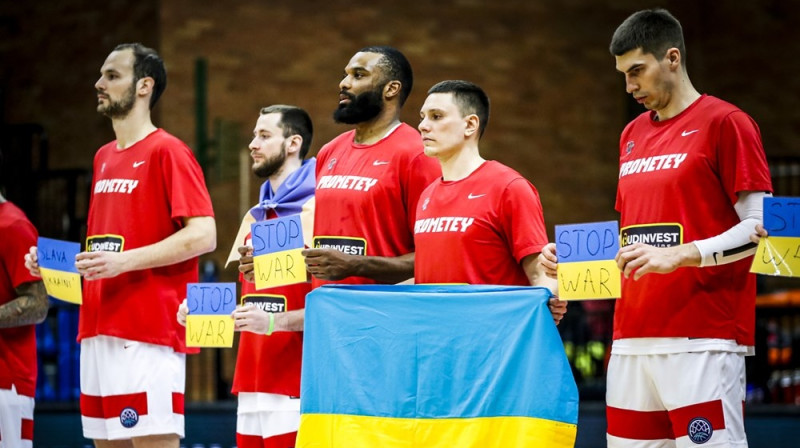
{"x": 548, "y": 260}
{"x": 32, "y": 261}
{"x": 249, "y": 317}
{"x": 246, "y": 263}
{"x": 640, "y": 259}
{"x": 183, "y": 311}
{"x": 558, "y": 308}
{"x": 755, "y": 237}
{"x": 100, "y": 264}
{"x": 328, "y": 264}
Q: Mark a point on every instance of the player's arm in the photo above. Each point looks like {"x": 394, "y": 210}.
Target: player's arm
{"x": 198, "y": 236}
{"x": 331, "y": 264}
{"x": 249, "y": 317}
{"x": 28, "y": 308}
{"x": 538, "y": 277}
{"x": 729, "y": 246}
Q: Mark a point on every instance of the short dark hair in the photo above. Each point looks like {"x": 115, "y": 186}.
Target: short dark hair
{"x": 653, "y": 30}
{"x": 395, "y": 67}
{"x": 147, "y": 64}
{"x": 294, "y": 121}
{"x": 469, "y": 98}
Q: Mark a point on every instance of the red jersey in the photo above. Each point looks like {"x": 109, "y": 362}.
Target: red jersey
{"x": 367, "y": 194}
{"x": 478, "y": 229}
{"x": 678, "y": 182}
{"x": 271, "y": 364}
{"x": 139, "y": 197}
{"x": 17, "y": 344}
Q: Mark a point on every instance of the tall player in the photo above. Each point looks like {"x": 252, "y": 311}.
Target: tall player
{"x": 267, "y": 375}
{"x": 150, "y": 217}
{"x": 23, "y": 304}
{"x": 369, "y": 179}
{"x": 693, "y": 175}
{"x": 481, "y": 222}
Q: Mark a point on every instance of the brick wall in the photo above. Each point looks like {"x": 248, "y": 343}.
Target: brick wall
{"x": 557, "y": 103}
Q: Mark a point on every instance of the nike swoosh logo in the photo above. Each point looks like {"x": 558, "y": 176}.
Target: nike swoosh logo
{"x": 379, "y": 162}
{"x": 138, "y": 164}
{"x": 127, "y": 346}
{"x": 685, "y": 133}
{"x": 475, "y": 196}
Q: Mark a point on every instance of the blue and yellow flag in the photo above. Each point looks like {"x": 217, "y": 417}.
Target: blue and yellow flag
{"x": 435, "y": 367}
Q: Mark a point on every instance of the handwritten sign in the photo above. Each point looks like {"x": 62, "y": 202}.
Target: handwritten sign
{"x": 209, "y": 322}
{"x": 779, "y": 253}
{"x": 57, "y": 266}
{"x": 586, "y": 266}
{"x": 277, "y": 247}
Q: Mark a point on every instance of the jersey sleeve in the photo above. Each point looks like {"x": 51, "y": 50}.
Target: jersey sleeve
{"x": 422, "y": 171}
{"x": 17, "y": 240}
{"x": 523, "y": 219}
{"x": 185, "y": 183}
{"x": 742, "y": 162}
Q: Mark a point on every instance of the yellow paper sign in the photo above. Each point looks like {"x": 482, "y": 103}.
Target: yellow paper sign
{"x": 777, "y": 255}
{"x": 62, "y": 285}
{"x": 279, "y": 268}
{"x": 589, "y": 280}
{"x": 209, "y": 330}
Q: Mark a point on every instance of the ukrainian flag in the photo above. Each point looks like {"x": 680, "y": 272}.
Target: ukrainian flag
{"x": 435, "y": 367}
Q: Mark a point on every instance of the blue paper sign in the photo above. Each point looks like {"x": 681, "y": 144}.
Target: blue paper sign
{"x": 277, "y": 235}
{"x": 782, "y": 216}
{"x": 587, "y": 242}
{"x": 57, "y": 255}
{"x": 211, "y": 298}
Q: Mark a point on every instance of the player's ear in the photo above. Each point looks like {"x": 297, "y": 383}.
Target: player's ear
{"x": 294, "y": 144}
{"x": 473, "y": 124}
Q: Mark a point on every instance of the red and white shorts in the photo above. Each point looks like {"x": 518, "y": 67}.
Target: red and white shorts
{"x": 16, "y": 419}
{"x": 267, "y": 420}
{"x": 130, "y": 389}
{"x": 676, "y": 400}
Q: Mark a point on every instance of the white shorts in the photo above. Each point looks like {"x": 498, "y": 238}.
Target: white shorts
{"x": 16, "y": 419}
{"x": 267, "y": 420}
{"x": 130, "y": 389}
{"x": 676, "y": 400}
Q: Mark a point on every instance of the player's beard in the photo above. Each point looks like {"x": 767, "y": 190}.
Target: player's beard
{"x": 362, "y": 107}
{"x": 121, "y": 108}
{"x": 271, "y": 165}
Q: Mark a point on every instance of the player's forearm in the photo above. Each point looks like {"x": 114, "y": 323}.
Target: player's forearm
{"x": 29, "y": 308}
{"x": 385, "y": 269}
{"x": 197, "y": 238}
{"x": 290, "y": 320}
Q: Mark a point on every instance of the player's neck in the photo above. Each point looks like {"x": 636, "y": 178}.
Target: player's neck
{"x": 132, "y": 128}
{"x": 372, "y": 131}
{"x": 461, "y": 163}
{"x": 683, "y": 96}
{"x": 289, "y": 166}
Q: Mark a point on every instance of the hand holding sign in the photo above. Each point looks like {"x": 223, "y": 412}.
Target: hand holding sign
{"x": 209, "y": 323}
{"x": 586, "y": 266}
{"x": 57, "y": 268}
{"x": 779, "y": 253}
{"x": 277, "y": 247}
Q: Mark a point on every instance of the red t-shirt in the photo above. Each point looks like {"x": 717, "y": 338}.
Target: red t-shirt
{"x": 139, "y": 197}
{"x": 18, "y": 344}
{"x": 367, "y": 194}
{"x": 678, "y": 182}
{"x": 478, "y": 229}
{"x": 270, "y": 364}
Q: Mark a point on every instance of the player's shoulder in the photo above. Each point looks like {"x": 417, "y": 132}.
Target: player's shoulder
{"x": 343, "y": 139}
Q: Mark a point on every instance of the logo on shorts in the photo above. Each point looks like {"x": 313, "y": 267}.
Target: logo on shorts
{"x": 129, "y": 417}
{"x": 700, "y": 430}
